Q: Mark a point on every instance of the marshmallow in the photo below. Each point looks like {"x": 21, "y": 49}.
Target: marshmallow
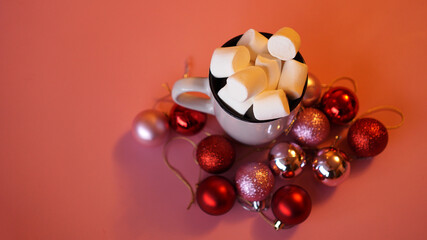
{"x": 272, "y": 67}
{"x": 240, "y": 107}
{"x": 228, "y": 60}
{"x": 293, "y": 77}
{"x": 284, "y": 44}
{"x": 255, "y": 42}
{"x": 247, "y": 83}
{"x": 271, "y": 104}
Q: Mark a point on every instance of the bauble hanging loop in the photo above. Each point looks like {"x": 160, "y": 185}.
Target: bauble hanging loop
{"x": 176, "y": 171}
{"x": 349, "y": 79}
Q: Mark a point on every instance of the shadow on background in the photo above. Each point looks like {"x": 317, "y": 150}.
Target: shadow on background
{"x": 358, "y": 165}
{"x": 155, "y": 200}
{"x": 261, "y": 230}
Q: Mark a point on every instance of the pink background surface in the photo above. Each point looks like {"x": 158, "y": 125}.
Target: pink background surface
{"x": 73, "y": 75}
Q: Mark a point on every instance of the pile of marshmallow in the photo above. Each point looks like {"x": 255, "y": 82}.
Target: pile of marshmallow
{"x": 261, "y": 72}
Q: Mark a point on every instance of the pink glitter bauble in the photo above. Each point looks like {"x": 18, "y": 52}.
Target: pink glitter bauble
{"x": 254, "y": 181}
{"x": 311, "y": 127}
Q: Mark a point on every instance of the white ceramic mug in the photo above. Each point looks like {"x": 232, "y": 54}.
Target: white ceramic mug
{"x": 244, "y": 129}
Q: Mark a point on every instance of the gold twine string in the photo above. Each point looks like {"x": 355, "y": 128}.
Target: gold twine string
{"x": 386, "y": 108}
{"x": 166, "y": 85}
{"x": 165, "y": 148}
{"x": 328, "y": 86}
{"x": 261, "y": 213}
{"x": 267, "y": 219}
{"x": 336, "y": 139}
{"x": 165, "y": 98}
{"x": 187, "y": 68}
{"x": 176, "y": 171}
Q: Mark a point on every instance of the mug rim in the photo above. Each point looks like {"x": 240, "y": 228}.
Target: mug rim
{"x": 248, "y": 117}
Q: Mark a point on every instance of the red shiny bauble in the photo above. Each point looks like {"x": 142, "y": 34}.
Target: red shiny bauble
{"x": 367, "y": 137}
{"x": 186, "y": 121}
{"x": 215, "y": 195}
{"x": 291, "y": 205}
{"x": 340, "y": 105}
{"x": 215, "y": 154}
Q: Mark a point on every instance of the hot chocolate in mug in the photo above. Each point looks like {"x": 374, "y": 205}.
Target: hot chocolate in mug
{"x": 245, "y": 129}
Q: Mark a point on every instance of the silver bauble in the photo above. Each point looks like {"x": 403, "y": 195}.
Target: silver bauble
{"x": 331, "y": 166}
{"x": 286, "y": 159}
{"x": 313, "y": 91}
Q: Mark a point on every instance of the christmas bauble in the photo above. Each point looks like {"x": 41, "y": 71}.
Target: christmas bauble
{"x": 331, "y": 166}
{"x": 215, "y": 154}
{"x": 186, "y": 121}
{"x": 311, "y": 127}
{"x": 215, "y": 195}
{"x": 340, "y": 105}
{"x": 254, "y": 181}
{"x": 286, "y": 159}
{"x": 150, "y": 127}
{"x": 291, "y": 205}
{"x": 367, "y": 137}
{"x": 313, "y": 91}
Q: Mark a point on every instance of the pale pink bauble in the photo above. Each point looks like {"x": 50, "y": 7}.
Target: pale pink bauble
{"x": 150, "y": 127}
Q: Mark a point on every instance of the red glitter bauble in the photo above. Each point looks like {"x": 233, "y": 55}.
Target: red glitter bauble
{"x": 186, "y": 121}
{"x": 215, "y": 195}
{"x": 340, "y": 105}
{"x": 215, "y": 154}
{"x": 291, "y": 205}
{"x": 367, "y": 137}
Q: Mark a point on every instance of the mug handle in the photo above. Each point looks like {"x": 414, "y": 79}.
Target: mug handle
{"x": 193, "y": 84}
